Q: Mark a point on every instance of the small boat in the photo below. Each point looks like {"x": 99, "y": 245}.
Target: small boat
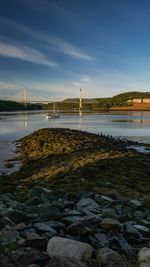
{"x": 51, "y": 116}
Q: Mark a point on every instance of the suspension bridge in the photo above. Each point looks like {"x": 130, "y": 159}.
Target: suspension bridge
{"x": 27, "y": 96}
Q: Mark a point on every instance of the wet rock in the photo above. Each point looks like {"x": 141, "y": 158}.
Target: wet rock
{"x": 65, "y": 262}
{"x": 87, "y": 204}
{"x": 33, "y": 201}
{"x": 16, "y": 216}
{"x": 143, "y": 229}
{"x": 84, "y": 221}
{"x": 102, "y": 239}
{"x": 106, "y": 256}
{"x": 130, "y": 230}
{"x": 35, "y": 241}
{"x": 45, "y": 212}
{"x": 26, "y": 256}
{"x": 111, "y": 224}
{"x": 8, "y": 236}
{"x": 144, "y": 257}
{"x": 42, "y": 227}
{"x": 64, "y": 247}
{"x": 135, "y": 203}
{"x": 55, "y": 225}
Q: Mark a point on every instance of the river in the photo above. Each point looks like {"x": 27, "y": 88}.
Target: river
{"x": 134, "y": 125}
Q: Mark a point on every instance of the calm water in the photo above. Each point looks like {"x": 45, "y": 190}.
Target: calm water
{"x": 132, "y": 125}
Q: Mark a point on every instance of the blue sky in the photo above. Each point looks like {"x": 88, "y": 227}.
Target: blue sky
{"x": 56, "y": 47}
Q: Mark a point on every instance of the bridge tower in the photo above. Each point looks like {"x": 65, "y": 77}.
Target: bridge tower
{"x": 25, "y": 96}
{"x": 80, "y": 103}
{"x": 80, "y": 100}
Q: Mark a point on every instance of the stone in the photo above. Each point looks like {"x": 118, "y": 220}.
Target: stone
{"x": 87, "y": 204}
{"x": 16, "y": 216}
{"x": 42, "y": 227}
{"x": 85, "y": 221}
{"x": 36, "y": 242}
{"x": 26, "y": 256}
{"x": 111, "y": 224}
{"x": 65, "y": 262}
{"x": 144, "y": 257}
{"x": 46, "y": 212}
{"x": 55, "y": 224}
{"x": 135, "y": 203}
{"x": 33, "y": 201}
{"x": 64, "y": 247}
{"x": 106, "y": 256}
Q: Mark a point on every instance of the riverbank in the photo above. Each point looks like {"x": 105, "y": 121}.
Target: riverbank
{"x": 79, "y": 190}
{"x": 77, "y": 160}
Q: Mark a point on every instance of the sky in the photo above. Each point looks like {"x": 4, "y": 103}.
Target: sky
{"x": 55, "y": 47}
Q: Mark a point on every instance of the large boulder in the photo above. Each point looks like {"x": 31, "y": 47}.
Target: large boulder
{"x": 64, "y": 247}
{"x": 144, "y": 257}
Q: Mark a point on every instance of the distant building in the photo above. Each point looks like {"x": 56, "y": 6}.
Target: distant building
{"x": 139, "y": 100}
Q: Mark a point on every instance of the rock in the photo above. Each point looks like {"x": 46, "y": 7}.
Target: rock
{"x": 36, "y": 241}
{"x": 33, "y": 201}
{"x": 87, "y": 204}
{"x": 144, "y": 257}
{"x": 42, "y": 227}
{"x": 130, "y": 230}
{"x": 8, "y": 236}
{"x": 102, "y": 239}
{"x": 145, "y": 231}
{"x": 46, "y": 212}
{"x": 26, "y": 256}
{"x": 106, "y": 256}
{"x": 111, "y": 224}
{"x": 85, "y": 221}
{"x": 65, "y": 262}
{"x": 16, "y": 216}
{"x": 55, "y": 225}
{"x": 135, "y": 203}
{"x": 64, "y": 247}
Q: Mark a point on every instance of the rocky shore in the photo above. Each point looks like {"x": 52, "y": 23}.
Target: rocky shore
{"x": 79, "y": 199}
{"x": 54, "y": 228}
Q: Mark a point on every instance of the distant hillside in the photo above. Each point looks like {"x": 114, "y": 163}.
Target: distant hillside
{"x": 14, "y": 106}
{"x": 86, "y": 100}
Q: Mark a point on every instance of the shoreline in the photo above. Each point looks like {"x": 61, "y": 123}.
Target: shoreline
{"x": 60, "y": 157}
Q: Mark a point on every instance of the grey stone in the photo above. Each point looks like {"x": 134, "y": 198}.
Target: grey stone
{"x": 16, "y": 216}
{"x": 46, "y": 211}
{"x": 87, "y": 204}
{"x": 144, "y": 257}
{"x": 64, "y": 247}
{"x": 84, "y": 221}
{"x": 42, "y": 227}
{"x": 106, "y": 256}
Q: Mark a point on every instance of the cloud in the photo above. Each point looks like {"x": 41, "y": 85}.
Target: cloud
{"x": 24, "y": 53}
{"x": 58, "y": 44}
{"x": 82, "y": 81}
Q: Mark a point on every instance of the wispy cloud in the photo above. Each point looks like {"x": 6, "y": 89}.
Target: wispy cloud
{"x": 24, "y": 53}
{"x": 82, "y": 81}
{"x": 59, "y": 44}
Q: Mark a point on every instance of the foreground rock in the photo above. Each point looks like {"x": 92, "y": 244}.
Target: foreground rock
{"x": 64, "y": 247}
{"x": 110, "y": 232}
{"x": 144, "y": 257}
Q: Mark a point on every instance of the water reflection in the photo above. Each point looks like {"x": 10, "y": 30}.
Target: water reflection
{"x": 126, "y": 124}
{"x": 26, "y": 125}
